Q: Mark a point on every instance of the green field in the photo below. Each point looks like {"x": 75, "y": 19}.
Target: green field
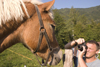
{"x": 18, "y": 56}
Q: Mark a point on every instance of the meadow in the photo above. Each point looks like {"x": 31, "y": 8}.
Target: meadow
{"x": 19, "y": 56}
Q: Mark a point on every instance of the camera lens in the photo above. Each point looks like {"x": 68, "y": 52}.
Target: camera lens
{"x": 80, "y": 46}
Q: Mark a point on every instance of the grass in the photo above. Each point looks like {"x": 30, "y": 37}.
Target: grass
{"x": 10, "y": 59}
{"x": 14, "y": 57}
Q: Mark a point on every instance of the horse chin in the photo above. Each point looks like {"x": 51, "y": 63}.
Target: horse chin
{"x": 56, "y": 58}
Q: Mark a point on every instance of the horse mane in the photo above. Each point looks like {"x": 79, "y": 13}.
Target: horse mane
{"x": 33, "y": 1}
{"x": 11, "y": 9}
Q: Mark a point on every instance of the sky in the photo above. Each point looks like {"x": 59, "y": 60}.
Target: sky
{"x": 74, "y": 3}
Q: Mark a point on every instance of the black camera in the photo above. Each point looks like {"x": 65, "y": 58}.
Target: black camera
{"x": 80, "y": 46}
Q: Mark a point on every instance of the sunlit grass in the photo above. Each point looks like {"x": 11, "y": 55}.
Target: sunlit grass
{"x": 19, "y": 56}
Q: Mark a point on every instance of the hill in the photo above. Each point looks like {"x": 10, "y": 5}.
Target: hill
{"x": 90, "y": 13}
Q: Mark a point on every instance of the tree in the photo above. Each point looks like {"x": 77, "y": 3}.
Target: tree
{"x": 60, "y": 28}
{"x": 71, "y": 23}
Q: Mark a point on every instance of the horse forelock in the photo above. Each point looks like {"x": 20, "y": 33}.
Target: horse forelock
{"x": 51, "y": 14}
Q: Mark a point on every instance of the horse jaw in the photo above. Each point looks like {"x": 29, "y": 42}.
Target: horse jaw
{"x": 56, "y": 58}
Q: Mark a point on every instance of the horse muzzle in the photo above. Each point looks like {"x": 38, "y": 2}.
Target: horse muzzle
{"x": 56, "y": 57}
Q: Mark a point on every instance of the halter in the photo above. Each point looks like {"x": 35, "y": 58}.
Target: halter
{"x": 42, "y": 32}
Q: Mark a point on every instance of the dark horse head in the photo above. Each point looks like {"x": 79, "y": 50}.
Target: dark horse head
{"x": 27, "y": 32}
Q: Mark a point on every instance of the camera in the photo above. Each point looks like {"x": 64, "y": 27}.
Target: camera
{"x": 80, "y": 46}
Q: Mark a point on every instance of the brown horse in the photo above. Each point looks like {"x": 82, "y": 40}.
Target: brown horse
{"x": 27, "y": 31}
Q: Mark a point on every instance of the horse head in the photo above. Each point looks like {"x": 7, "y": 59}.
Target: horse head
{"x": 49, "y": 25}
{"x": 29, "y": 31}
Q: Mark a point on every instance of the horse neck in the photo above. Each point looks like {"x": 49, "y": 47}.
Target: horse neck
{"x": 9, "y": 41}
{"x": 8, "y": 28}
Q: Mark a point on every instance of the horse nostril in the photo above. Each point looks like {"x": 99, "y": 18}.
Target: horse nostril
{"x": 55, "y": 58}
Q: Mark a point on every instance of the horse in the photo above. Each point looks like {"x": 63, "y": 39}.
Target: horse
{"x": 33, "y": 27}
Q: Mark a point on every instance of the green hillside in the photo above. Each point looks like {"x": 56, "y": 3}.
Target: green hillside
{"x": 93, "y": 12}
{"x": 77, "y": 23}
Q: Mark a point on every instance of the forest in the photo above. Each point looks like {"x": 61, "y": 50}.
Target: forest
{"x": 73, "y": 23}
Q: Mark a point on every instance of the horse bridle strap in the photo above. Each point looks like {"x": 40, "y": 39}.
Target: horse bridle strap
{"x": 42, "y": 32}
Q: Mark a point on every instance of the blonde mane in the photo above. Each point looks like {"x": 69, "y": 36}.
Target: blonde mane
{"x": 11, "y": 9}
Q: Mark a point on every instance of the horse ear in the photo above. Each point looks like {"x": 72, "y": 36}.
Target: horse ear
{"x": 47, "y": 6}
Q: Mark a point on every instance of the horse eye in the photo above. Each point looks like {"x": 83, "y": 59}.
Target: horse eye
{"x": 45, "y": 11}
{"x": 53, "y": 26}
